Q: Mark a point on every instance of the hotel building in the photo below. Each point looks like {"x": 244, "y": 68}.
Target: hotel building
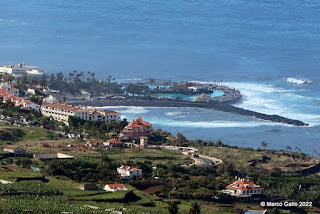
{"x": 61, "y": 112}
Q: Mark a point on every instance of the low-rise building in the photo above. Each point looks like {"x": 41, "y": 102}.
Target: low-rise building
{"x": 52, "y": 156}
{"x": 88, "y": 186}
{"x": 21, "y": 69}
{"x": 114, "y": 143}
{"x": 6, "y": 95}
{"x": 114, "y": 187}
{"x": 144, "y": 142}
{"x": 62, "y": 112}
{"x": 244, "y": 189}
{"x": 128, "y": 172}
{"x": 136, "y": 129}
{"x": 10, "y": 88}
{"x": 96, "y": 144}
{"x": 14, "y": 150}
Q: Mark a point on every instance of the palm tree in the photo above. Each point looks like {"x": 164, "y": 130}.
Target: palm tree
{"x": 289, "y": 148}
{"x": 173, "y": 207}
{"x": 298, "y": 149}
{"x": 195, "y": 208}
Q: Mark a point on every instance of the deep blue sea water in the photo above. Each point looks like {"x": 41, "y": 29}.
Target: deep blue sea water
{"x": 251, "y": 45}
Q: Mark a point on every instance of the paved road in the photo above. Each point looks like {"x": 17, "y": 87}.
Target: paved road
{"x": 202, "y": 160}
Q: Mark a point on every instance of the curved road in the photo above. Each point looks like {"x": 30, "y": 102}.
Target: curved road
{"x": 202, "y": 160}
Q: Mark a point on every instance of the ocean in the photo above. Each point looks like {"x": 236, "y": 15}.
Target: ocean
{"x": 251, "y": 45}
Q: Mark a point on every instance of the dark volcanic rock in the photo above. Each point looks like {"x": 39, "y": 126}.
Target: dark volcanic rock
{"x": 220, "y": 106}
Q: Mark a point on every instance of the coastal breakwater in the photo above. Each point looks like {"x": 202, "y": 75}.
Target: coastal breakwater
{"x": 219, "y": 106}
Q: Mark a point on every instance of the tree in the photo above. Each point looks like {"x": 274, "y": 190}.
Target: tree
{"x": 180, "y": 139}
{"x": 195, "y": 208}
{"x": 219, "y": 143}
{"x": 289, "y": 148}
{"x": 173, "y": 207}
{"x": 7, "y": 77}
{"x": 264, "y": 144}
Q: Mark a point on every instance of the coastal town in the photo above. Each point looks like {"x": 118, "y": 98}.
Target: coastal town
{"x": 57, "y": 138}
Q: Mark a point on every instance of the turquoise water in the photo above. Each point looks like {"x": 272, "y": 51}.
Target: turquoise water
{"x": 157, "y": 86}
{"x": 216, "y": 93}
{"x": 254, "y": 45}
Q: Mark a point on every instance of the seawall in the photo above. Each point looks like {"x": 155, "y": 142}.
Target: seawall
{"x": 220, "y": 106}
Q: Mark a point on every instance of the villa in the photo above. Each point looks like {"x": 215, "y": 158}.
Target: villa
{"x": 244, "y": 190}
{"x": 128, "y": 172}
{"x": 136, "y": 129}
{"x": 115, "y": 187}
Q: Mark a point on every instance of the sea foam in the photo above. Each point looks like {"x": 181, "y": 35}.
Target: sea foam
{"x": 298, "y": 81}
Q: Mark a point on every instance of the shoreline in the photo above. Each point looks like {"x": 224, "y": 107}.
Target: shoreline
{"x": 219, "y": 106}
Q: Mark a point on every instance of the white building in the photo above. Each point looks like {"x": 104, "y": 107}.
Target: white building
{"x": 30, "y": 105}
{"x": 128, "y": 172}
{"x": 21, "y": 69}
{"x": 6, "y": 95}
{"x": 49, "y": 99}
{"x": 114, "y": 187}
{"x": 10, "y": 88}
{"x": 244, "y": 189}
{"x": 61, "y": 112}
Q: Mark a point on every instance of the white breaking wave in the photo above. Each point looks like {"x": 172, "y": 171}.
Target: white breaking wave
{"x": 127, "y": 109}
{"x": 269, "y": 99}
{"x": 134, "y": 110}
{"x": 175, "y": 113}
{"x": 298, "y": 81}
{"x": 215, "y": 124}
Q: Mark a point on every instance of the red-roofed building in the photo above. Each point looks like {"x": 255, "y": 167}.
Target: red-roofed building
{"x": 104, "y": 115}
{"x": 115, "y": 143}
{"x": 136, "y": 129}
{"x": 96, "y": 144}
{"x": 244, "y": 189}
{"x": 61, "y": 112}
{"x": 114, "y": 187}
{"x": 7, "y": 95}
{"x": 14, "y": 149}
{"x": 10, "y": 88}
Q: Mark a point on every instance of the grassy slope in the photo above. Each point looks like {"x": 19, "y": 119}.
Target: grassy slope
{"x": 155, "y": 156}
{"x": 240, "y": 157}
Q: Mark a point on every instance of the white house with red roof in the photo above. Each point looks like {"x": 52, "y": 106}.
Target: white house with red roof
{"x": 244, "y": 188}
{"x": 113, "y": 142}
{"x": 104, "y": 115}
{"x": 7, "y": 95}
{"x": 128, "y": 172}
{"x": 114, "y": 187}
{"x": 96, "y": 144}
{"x": 10, "y": 88}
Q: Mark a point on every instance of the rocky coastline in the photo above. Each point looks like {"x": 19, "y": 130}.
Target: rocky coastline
{"x": 220, "y": 106}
